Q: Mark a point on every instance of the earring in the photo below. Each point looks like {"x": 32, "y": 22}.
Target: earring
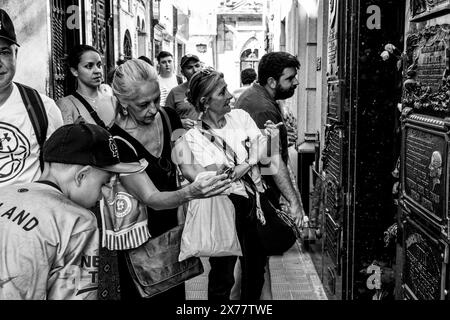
{"x": 124, "y": 111}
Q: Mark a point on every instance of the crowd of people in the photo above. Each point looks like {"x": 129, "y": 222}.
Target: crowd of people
{"x": 56, "y": 158}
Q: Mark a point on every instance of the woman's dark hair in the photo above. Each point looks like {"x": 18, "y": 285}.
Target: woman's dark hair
{"x": 202, "y": 85}
{"x": 76, "y": 53}
{"x": 273, "y": 65}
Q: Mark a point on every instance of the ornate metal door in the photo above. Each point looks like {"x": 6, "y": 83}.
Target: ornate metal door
{"x": 63, "y": 39}
{"x": 102, "y": 32}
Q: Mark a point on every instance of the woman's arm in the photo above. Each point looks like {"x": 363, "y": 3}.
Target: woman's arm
{"x": 142, "y": 187}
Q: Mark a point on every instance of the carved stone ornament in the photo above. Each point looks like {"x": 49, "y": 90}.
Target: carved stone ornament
{"x": 427, "y": 80}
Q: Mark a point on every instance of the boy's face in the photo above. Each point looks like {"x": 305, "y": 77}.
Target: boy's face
{"x": 166, "y": 66}
{"x": 88, "y": 186}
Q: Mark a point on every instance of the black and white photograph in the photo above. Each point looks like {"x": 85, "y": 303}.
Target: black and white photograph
{"x": 225, "y": 158}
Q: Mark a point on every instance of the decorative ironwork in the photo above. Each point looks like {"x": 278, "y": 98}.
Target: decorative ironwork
{"x": 332, "y": 239}
{"x": 424, "y": 9}
{"x": 58, "y": 52}
{"x": 427, "y": 84}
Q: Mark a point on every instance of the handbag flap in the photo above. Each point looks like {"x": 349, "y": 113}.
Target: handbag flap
{"x": 156, "y": 261}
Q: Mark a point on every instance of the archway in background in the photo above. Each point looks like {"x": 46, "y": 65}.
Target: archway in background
{"x": 127, "y": 46}
{"x": 250, "y": 55}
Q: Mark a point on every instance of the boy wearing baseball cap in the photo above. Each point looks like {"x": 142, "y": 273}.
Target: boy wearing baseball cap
{"x": 49, "y": 240}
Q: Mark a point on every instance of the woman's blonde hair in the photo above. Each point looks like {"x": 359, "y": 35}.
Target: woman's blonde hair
{"x": 128, "y": 77}
{"x": 202, "y": 85}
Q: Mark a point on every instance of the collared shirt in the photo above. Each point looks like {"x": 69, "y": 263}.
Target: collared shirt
{"x": 177, "y": 100}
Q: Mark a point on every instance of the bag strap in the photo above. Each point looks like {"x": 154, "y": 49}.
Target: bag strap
{"x": 169, "y": 125}
{"x": 219, "y": 142}
{"x": 91, "y": 110}
{"x": 37, "y": 114}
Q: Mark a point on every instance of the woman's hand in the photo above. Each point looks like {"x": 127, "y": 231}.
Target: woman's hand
{"x": 209, "y": 186}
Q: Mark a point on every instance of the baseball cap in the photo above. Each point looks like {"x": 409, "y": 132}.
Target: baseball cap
{"x": 7, "y": 31}
{"x": 87, "y": 144}
{"x": 187, "y": 58}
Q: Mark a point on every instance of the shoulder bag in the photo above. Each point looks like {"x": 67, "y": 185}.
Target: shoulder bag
{"x": 154, "y": 266}
{"x": 277, "y": 231}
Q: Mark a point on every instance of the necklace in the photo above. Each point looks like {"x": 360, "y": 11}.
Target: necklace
{"x": 93, "y": 100}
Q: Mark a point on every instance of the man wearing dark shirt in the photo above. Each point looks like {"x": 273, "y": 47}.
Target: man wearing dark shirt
{"x": 277, "y": 80}
{"x": 190, "y": 64}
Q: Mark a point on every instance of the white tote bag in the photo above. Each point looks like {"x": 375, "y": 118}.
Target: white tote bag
{"x": 210, "y": 229}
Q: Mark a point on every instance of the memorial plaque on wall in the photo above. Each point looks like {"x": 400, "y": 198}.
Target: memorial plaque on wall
{"x": 424, "y": 265}
{"x": 333, "y": 33}
{"x": 427, "y": 89}
{"x": 335, "y": 101}
{"x": 426, "y": 9}
{"x": 425, "y": 168}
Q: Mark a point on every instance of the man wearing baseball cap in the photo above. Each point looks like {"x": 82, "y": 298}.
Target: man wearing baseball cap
{"x": 190, "y": 64}
{"x": 49, "y": 243}
{"x": 27, "y": 118}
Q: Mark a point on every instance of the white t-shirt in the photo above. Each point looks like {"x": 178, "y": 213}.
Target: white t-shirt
{"x": 166, "y": 85}
{"x": 49, "y": 246}
{"x": 239, "y": 126}
{"x": 19, "y": 149}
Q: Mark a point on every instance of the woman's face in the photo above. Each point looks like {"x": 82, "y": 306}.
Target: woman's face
{"x": 89, "y": 71}
{"x": 145, "y": 106}
{"x": 219, "y": 101}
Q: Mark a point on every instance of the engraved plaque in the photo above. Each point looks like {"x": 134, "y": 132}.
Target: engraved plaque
{"x": 334, "y": 101}
{"x": 432, "y": 61}
{"x": 422, "y": 273}
{"x": 333, "y": 39}
{"x": 424, "y": 167}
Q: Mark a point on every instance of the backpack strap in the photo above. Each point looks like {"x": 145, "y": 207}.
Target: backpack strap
{"x": 38, "y": 116}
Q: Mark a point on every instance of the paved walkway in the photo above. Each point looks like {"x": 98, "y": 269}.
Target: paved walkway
{"x": 293, "y": 277}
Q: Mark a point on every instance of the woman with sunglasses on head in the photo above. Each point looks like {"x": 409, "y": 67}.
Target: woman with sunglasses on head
{"x": 228, "y": 138}
{"x": 143, "y": 127}
{"x": 150, "y": 129}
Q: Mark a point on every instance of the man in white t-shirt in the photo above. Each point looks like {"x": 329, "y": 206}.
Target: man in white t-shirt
{"x": 167, "y": 78}
{"x": 19, "y": 146}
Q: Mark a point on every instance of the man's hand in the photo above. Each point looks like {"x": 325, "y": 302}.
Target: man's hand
{"x": 297, "y": 213}
{"x": 188, "y": 123}
{"x": 209, "y": 186}
{"x": 292, "y": 136}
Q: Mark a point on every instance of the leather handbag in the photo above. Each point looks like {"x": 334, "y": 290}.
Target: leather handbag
{"x": 154, "y": 266}
{"x": 277, "y": 235}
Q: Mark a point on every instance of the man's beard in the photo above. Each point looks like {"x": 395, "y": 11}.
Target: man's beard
{"x": 281, "y": 94}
